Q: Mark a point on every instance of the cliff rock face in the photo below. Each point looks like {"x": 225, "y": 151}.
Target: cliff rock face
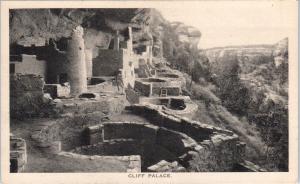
{"x": 37, "y": 26}
{"x": 187, "y": 34}
{"x": 244, "y": 53}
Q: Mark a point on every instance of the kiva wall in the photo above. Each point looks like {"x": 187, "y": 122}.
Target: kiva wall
{"x": 216, "y": 150}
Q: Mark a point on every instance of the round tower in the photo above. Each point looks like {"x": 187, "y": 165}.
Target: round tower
{"x": 76, "y": 58}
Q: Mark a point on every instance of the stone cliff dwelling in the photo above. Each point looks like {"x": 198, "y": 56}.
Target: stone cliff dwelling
{"x": 120, "y": 59}
{"x": 76, "y": 112}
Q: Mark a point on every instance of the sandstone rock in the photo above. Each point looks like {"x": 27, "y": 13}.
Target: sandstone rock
{"x": 47, "y": 98}
{"x": 56, "y": 100}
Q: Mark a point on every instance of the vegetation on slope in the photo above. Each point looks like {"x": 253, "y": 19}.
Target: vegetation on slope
{"x": 255, "y": 89}
{"x": 241, "y": 90}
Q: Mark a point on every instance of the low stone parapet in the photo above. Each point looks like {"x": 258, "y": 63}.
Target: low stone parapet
{"x": 94, "y": 134}
{"x": 57, "y": 90}
{"x": 176, "y": 142}
{"x": 110, "y": 105}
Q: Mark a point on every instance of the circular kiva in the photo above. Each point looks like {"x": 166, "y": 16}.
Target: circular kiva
{"x": 167, "y": 139}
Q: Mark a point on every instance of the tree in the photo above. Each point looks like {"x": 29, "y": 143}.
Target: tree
{"x": 234, "y": 95}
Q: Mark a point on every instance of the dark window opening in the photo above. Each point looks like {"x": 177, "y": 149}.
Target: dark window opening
{"x": 95, "y": 81}
{"x": 62, "y": 78}
{"x": 12, "y": 68}
{"x": 177, "y": 104}
{"x": 87, "y": 95}
{"x": 61, "y": 44}
{"x": 15, "y": 58}
{"x": 13, "y": 165}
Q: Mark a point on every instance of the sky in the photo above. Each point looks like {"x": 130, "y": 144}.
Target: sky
{"x": 233, "y": 23}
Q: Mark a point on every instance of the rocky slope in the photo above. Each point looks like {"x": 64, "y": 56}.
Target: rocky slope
{"x": 257, "y": 67}
{"x": 252, "y": 83}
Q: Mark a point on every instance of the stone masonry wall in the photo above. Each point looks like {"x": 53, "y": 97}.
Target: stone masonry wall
{"x": 127, "y": 138}
{"x": 219, "y": 152}
{"x": 70, "y": 127}
{"x": 57, "y": 90}
{"x": 171, "y": 91}
{"x": 144, "y": 89}
{"x": 107, "y": 63}
{"x": 176, "y": 142}
{"x": 30, "y": 65}
{"x": 110, "y": 106}
{"x": 132, "y": 96}
{"x": 128, "y": 130}
{"x": 18, "y": 154}
{"x": 118, "y": 147}
{"x": 163, "y": 119}
{"x": 26, "y": 96}
{"x": 68, "y": 130}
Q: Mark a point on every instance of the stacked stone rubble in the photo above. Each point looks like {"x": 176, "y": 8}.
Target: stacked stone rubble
{"x": 27, "y": 96}
{"x": 247, "y": 166}
{"x": 165, "y": 166}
